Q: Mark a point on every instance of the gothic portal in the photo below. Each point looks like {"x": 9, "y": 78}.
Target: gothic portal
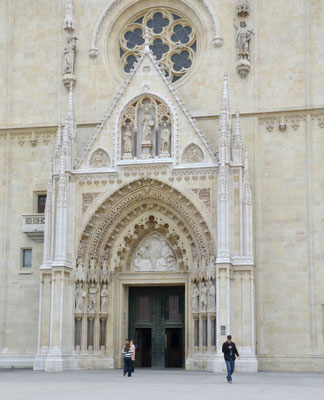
{"x": 135, "y": 203}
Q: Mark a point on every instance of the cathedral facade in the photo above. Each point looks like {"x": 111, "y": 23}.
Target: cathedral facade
{"x": 136, "y": 204}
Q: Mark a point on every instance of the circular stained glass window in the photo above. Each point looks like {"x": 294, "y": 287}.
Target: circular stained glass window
{"x": 172, "y": 41}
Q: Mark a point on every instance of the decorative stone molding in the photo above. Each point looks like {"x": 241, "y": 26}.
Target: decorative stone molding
{"x": 88, "y": 199}
{"x": 192, "y": 154}
{"x": 116, "y": 100}
{"x": 243, "y": 8}
{"x": 217, "y": 39}
{"x": 132, "y": 200}
{"x": 205, "y": 195}
{"x": 100, "y": 159}
{"x": 33, "y": 226}
{"x": 320, "y": 119}
{"x": 283, "y": 122}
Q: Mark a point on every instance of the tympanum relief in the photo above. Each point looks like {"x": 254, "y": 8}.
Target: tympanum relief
{"x": 155, "y": 254}
{"x": 193, "y": 154}
{"x": 146, "y": 129}
{"x": 100, "y": 159}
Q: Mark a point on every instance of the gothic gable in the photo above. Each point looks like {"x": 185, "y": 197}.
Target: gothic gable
{"x": 148, "y": 122}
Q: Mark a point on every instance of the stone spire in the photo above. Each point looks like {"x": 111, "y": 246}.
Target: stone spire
{"x": 223, "y": 252}
{"x": 237, "y": 151}
{"x": 225, "y": 125}
{"x": 69, "y": 22}
{"x": 58, "y": 139}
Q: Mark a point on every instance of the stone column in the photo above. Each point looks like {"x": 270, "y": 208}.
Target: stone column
{"x": 60, "y": 319}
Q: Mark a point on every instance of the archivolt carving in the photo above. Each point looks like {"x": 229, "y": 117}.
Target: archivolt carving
{"x": 151, "y": 199}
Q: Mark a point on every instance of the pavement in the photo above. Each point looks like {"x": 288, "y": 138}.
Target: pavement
{"x": 148, "y": 384}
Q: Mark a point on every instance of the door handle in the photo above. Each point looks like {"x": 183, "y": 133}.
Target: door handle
{"x": 165, "y": 341}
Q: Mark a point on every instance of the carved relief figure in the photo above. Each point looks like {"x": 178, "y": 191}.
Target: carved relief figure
{"x": 128, "y": 140}
{"x": 99, "y": 159}
{"x": 203, "y": 297}
{"x": 165, "y": 139}
{"x": 104, "y": 299}
{"x": 243, "y": 37}
{"x": 193, "y": 154}
{"x": 69, "y": 55}
{"x": 212, "y": 296}
{"x": 155, "y": 255}
{"x": 211, "y": 268}
{"x": 148, "y": 123}
{"x": 195, "y": 299}
{"x": 80, "y": 295}
{"x": 92, "y": 298}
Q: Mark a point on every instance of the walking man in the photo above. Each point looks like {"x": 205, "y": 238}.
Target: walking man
{"x": 230, "y": 352}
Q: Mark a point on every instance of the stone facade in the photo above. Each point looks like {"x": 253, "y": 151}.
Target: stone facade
{"x": 152, "y": 180}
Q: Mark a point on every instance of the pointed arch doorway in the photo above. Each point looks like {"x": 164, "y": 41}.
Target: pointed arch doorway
{"x": 157, "y": 325}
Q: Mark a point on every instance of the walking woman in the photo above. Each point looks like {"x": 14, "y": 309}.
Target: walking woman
{"x": 132, "y": 346}
{"x": 127, "y": 352}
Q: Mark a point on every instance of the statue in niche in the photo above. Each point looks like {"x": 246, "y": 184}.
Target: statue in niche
{"x": 104, "y": 299}
{"x": 99, "y": 159}
{"x": 212, "y": 296}
{"x": 195, "y": 299}
{"x": 155, "y": 254}
{"x": 193, "y": 154}
{"x": 165, "y": 140}
{"x": 128, "y": 141}
{"x": 211, "y": 273}
{"x": 203, "y": 297}
{"x": 148, "y": 123}
{"x": 80, "y": 295}
{"x": 243, "y": 37}
{"x": 69, "y": 55}
{"x": 92, "y": 298}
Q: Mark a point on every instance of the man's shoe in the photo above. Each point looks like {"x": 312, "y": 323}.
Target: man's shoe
{"x": 124, "y": 373}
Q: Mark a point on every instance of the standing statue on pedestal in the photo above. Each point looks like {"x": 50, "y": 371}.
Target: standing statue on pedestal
{"x": 80, "y": 295}
{"x": 165, "y": 140}
{"x": 243, "y": 38}
{"x": 128, "y": 142}
{"x": 203, "y": 297}
{"x": 148, "y": 123}
{"x": 69, "y": 56}
{"x": 92, "y": 298}
{"x": 212, "y": 296}
{"x": 104, "y": 299}
{"x": 195, "y": 299}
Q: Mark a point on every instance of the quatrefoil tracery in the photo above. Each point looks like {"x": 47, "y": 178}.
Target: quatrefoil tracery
{"x": 172, "y": 41}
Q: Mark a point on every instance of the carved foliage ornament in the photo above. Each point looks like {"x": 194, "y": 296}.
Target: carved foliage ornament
{"x": 172, "y": 41}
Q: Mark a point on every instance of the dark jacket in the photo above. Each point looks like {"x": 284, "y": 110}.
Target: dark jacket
{"x": 226, "y": 351}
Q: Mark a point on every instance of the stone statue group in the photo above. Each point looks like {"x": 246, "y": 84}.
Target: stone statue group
{"x": 147, "y": 125}
{"x": 81, "y": 294}
{"x": 204, "y": 297}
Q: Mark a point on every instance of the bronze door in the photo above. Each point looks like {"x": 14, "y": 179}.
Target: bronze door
{"x": 156, "y": 324}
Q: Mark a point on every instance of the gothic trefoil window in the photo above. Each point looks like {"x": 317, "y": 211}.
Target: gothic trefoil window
{"x": 172, "y": 41}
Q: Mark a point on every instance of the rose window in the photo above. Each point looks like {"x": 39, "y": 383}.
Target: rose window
{"x": 172, "y": 41}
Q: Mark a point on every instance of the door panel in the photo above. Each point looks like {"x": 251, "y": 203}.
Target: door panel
{"x": 159, "y": 311}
